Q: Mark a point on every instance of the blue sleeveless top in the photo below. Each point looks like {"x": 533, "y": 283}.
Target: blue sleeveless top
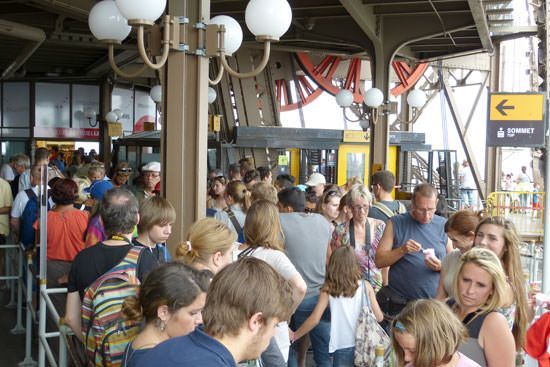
{"x": 410, "y": 277}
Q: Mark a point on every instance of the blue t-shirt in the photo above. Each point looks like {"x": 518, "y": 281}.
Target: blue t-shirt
{"x": 410, "y": 277}
{"x": 195, "y": 349}
{"x": 133, "y": 356}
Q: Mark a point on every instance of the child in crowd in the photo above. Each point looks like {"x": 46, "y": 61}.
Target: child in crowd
{"x": 344, "y": 290}
{"x": 156, "y": 216}
{"x": 209, "y": 245}
{"x": 170, "y": 302}
{"x": 427, "y": 334}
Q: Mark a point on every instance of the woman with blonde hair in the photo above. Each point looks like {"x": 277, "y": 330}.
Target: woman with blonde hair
{"x": 208, "y": 246}
{"x": 238, "y": 201}
{"x": 427, "y": 334}
{"x": 169, "y": 303}
{"x": 460, "y": 229}
{"x": 499, "y": 235}
{"x": 480, "y": 290}
{"x": 265, "y": 241}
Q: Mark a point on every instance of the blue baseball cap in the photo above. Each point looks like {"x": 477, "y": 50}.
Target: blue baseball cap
{"x": 99, "y": 187}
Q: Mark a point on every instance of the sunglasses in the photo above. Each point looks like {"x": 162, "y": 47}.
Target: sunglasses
{"x": 125, "y": 170}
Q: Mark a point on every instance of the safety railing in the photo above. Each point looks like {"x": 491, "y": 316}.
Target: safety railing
{"x": 523, "y": 208}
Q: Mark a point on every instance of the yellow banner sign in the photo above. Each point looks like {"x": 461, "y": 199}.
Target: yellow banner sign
{"x": 355, "y": 136}
{"x": 516, "y": 107}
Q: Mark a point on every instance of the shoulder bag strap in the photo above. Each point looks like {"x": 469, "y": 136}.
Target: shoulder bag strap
{"x": 368, "y": 246}
{"x": 384, "y": 209}
{"x": 351, "y": 231}
{"x": 233, "y": 219}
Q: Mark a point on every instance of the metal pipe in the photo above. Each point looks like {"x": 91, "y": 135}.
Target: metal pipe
{"x": 45, "y": 348}
{"x": 19, "y": 328}
{"x": 35, "y": 35}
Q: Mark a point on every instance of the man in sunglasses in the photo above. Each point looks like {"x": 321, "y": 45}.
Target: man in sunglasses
{"x": 122, "y": 173}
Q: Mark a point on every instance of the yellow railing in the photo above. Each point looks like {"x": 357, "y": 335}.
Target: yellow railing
{"x": 523, "y": 208}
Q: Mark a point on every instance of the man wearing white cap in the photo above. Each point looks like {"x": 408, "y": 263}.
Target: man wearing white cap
{"x": 151, "y": 178}
{"x": 317, "y": 183}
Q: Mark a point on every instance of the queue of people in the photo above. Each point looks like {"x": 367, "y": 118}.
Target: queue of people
{"x": 264, "y": 277}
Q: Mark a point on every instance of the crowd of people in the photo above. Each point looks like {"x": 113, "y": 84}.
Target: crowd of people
{"x": 273, "y": 269}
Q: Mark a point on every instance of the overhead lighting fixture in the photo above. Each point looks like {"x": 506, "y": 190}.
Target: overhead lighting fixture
{"x": 111, "y": 22}
{"x": 373, "y": 105}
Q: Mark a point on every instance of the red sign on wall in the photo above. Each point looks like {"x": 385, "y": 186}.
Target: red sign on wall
{"x": 66, "y": 133}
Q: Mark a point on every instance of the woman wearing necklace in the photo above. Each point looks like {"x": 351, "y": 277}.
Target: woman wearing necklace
{"x": 480, "y": 289}
{"x": 363, "y": 234}
{"x": 170, "y": 302}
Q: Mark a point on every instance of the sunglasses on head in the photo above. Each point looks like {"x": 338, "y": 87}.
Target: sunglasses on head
{"x": 125, "y": 170}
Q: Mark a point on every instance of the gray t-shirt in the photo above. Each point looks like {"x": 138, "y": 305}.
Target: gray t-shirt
{"x": 410, "y": 277}
{"x": 306, "y": 241}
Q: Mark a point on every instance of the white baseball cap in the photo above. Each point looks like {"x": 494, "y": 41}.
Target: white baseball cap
{"x": 316, "y": 179}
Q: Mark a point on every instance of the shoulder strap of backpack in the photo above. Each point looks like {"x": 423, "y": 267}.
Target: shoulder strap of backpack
{"x": 233, "y": 219}
{"x": 384, "y": 209}
{"x": 31, "y": 194}
{"x": 401, "y": 209}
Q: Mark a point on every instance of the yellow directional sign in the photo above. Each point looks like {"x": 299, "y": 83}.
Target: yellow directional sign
{"x": 516, "y": 107}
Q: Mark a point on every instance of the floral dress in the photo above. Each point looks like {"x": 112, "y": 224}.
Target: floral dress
{"x": 365, "y": 253}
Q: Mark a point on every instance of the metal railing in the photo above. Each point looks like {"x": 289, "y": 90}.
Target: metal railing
{"x": 523, "y": 208}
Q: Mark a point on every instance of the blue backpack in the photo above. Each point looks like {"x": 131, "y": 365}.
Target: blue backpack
{"x": 27, "y": 233}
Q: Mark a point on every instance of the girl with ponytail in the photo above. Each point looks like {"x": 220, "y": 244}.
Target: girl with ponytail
{"x": 208, "y": 246}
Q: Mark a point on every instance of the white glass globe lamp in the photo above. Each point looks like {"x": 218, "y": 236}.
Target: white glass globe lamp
{"x": 268, "y": 19}
{"x": 344, "y": 98}
{"x": 373, "y": 97}
{"x": 107, "y": 23}
{"x": 89, "y": 113}
{"x": 416, "y": 98}
{"x": 233, "y": 33}
{"x": 211, "y": 95}
{"x": 118, "y": 113}
{"x": 111, "y": 117}
{"x": 156, "y": 93}
{"x": 144, "y": 12}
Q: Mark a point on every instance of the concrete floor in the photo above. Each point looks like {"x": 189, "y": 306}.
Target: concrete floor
{"x": 13, "y": 346}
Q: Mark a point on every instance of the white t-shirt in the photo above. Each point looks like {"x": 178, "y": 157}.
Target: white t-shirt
{"x": 21, "y": 200}
{"x": 466, "y": 178}
{"x": 6, "y": 172}
{"x": 282, "y": 265}
{"x": 344, "y": 313}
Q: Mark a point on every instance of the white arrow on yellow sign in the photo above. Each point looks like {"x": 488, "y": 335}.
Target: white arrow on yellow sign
{"x": 516, "y": 107}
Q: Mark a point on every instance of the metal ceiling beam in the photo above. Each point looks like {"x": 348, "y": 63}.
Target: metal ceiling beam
{"x": 401, "y": 12}
{"x": 76, "y": 9}
{"x": 478, "y": 13}
{"x": 405, "y": 2}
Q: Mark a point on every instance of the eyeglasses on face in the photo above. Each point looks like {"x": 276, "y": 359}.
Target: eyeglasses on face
{"x": 360, "y": 207}
{"x": 425, "y": 211}
{"x": 151, "y": 174}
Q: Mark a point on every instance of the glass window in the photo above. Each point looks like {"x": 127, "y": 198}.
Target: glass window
{"x": 355, "y": 165}
{"x": 85, "y": 102}
{"x": 52, "y": 107}
{"x": 145, "y": 110}
{"x": 123, "y": 99}
{"x": 16, "y": 105}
